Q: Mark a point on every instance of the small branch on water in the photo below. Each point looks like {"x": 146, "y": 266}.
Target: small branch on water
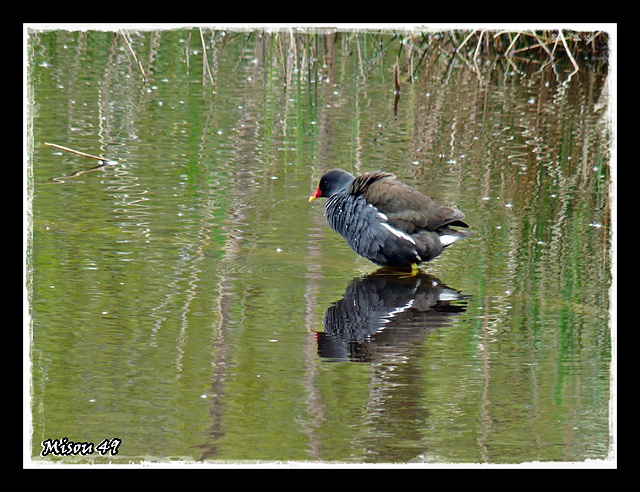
{"x": 77, "y": 152}
{"x": 102, "y": 163}
{"x": 67, "y": 149}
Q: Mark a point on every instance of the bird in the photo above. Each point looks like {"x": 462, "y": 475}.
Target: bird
{"x": 387, "y": 221}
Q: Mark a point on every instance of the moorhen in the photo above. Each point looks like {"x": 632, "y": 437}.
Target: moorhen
{"x": 386, "y": 221}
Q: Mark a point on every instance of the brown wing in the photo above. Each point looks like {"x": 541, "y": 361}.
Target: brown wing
{"x": 408, "y": 209}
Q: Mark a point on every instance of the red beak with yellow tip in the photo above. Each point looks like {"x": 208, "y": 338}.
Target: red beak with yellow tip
{"x": 316, "y": 194}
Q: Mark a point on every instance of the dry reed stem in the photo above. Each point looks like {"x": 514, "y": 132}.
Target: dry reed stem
{"x": 465, "y": 40}
{"x": 205, "y": 58}
{"x": 542, "y": 44}
{"x": 573, "y": 61}
{"x": 513, "y": 41}
{"x": 144, "y": 75}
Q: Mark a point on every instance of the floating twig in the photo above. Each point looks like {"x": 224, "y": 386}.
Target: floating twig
{"x": 102, "y": 162}
{"x": 77, "y": 152}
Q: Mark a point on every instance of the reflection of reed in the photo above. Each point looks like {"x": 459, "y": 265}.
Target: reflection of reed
{"x": 61, "y": 179}
{"x": 383, "y": 314}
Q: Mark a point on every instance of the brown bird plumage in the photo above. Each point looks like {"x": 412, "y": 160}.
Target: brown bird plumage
{"x": 407, "y": 208}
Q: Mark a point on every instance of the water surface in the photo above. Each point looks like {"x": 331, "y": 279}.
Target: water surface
{"x": 188, "y": 300}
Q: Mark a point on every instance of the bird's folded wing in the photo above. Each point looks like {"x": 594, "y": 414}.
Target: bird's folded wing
{"x": 408, "y": 209}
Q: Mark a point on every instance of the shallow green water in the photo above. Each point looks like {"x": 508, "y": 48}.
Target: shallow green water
{"x": 190, "y": 302}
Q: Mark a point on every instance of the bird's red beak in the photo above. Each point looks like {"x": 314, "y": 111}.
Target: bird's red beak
{"x": 316, "y": 194}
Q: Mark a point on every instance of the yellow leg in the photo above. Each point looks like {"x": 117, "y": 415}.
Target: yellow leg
{"x": 401, "y": 272}
{"x": 414, "y": 270}
{"x": 412, "y": 273}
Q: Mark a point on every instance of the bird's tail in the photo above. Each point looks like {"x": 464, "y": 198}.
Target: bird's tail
{"x": 449, "y": 235}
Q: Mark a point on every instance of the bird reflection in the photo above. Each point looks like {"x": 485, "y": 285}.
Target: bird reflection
{"x": 385, "y": 314}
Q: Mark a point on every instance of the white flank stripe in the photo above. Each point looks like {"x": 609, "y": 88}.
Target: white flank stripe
{"x": 387, "y": 318}
{"x": 449, "y": 296}
{"x": 447, "y": 239}
{"x": 399, "y": 233}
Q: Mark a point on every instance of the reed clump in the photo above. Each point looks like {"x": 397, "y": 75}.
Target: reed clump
{"x": 414, "y": 51}
{"x": 521, "y": 49}
{"x": 524, "y": 51}
{"x": 409, "y": 52}
{"x": 514, "y": 44}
